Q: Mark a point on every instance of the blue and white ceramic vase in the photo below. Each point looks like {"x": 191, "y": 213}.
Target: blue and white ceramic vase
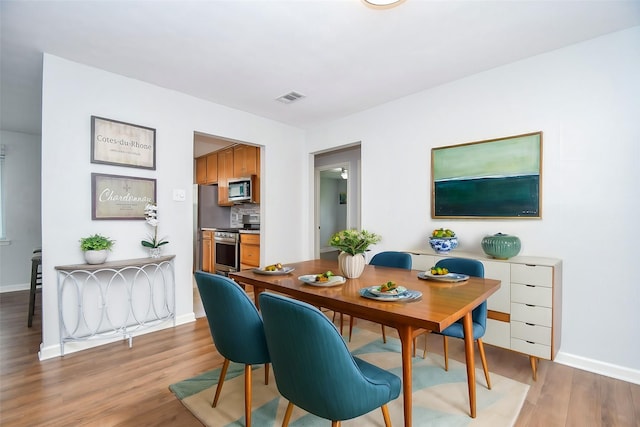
{"x": 443, "y": 245}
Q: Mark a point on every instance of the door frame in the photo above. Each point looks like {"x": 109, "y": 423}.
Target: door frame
{"x": 317, "y": 183}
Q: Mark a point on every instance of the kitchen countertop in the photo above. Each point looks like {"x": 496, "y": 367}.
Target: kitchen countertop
{"x": 249, "y": 231}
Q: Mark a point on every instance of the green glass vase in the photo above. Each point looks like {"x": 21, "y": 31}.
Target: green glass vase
{"x": 501, "y": 246}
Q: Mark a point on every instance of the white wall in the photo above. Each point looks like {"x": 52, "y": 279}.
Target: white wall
{"x": 71, "y": 94}
{"x": 586, "y": 100}
{"x": 21, "y": 178}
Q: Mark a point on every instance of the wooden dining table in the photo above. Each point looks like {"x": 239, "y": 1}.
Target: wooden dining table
{"x": 441, "y": 304}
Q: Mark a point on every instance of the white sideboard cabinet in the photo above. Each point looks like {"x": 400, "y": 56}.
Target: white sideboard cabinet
{"x": 525, "y": 315}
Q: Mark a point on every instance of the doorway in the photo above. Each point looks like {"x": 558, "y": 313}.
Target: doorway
{"x": 333, "y": 215}
{"x": 337, "y": 196}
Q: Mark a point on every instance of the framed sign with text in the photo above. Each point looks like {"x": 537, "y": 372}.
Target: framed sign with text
{"x": 120, "y": 197}
{"x": 122, "y": 144}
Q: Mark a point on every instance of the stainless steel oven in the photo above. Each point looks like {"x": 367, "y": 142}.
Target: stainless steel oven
{"x": 227, "y": 251}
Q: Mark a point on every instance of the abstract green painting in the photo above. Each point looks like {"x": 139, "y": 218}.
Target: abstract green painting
{"x": 497, "y": 178}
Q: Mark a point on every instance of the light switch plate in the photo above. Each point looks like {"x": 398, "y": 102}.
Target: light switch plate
{"x": 179, "y": 195}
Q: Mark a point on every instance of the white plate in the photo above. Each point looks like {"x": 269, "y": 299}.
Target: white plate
{"x": 394, "y": 293}
{"x": 406, "y": 296}
{"x": 451, "y": 277}
{"x": 285, "y": 270}
{"x": 310, "y": 279}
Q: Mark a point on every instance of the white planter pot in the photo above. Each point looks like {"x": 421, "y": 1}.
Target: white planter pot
{"x": 155, "y": 252}
{"x": 95, "y": 257}
{"x": 351, "y": 266}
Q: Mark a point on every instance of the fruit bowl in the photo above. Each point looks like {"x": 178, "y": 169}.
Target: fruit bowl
{"x": 443, "y": 245}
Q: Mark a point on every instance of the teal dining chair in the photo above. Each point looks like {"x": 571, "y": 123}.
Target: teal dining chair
{"x": 319, "y": 374}
{"x": 470, "y": 267}
{"x": 387, "y": 259}
{"x": 236, "y": 328}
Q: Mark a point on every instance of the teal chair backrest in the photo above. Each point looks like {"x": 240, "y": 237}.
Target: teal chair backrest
{"x": 312, "y": 365}
{"x": 235, "y": 324}
{"x": 392, "y": 259}
{"x": 470, "y": 267}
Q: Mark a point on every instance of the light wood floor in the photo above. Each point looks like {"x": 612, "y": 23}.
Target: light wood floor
{"x": 113, "y": 385}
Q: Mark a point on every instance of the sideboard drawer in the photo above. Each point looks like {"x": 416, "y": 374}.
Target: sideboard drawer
{"x": 531, "y": 348}
{"x": 531, "y": 314}
{"x": 531, "y": 294}
{"x": 532, "y": 274}
{"x": 531, "y": 332}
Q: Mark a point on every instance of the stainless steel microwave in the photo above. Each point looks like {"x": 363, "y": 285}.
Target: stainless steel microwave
{"x": 241, "y": 190}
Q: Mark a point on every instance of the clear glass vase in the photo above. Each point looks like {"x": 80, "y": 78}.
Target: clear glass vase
{"x": 154, "y": 252}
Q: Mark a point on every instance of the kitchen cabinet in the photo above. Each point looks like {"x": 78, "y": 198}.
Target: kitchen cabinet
{"x": 239, "y": 161}
{"x": 208, "y": 251}
{"x": 525, "y": 314}
{"x": 201, "y": 170}
{"x": 212, "y": 168}
{"x": 245, "y": 160}
{"x": 225, "y": 171}
{"x": 207, "y": 169}
{"x": 249, "y": 251}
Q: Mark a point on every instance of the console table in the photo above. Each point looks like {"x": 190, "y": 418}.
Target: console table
{"x": 113, "y": 299}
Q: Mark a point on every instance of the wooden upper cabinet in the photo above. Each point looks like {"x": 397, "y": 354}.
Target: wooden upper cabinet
{"x": 207, "y": 169}
{"x": 225, "y": 171}
{"x": 239, "y": 161}
{"x": 201, "y": 170}
{"x": 256, "y": 190}
{"x": 212, "y": 168}
{"x": 245, "y": 160}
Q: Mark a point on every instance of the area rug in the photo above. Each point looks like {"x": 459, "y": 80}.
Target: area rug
{"x": 440, "y": 398}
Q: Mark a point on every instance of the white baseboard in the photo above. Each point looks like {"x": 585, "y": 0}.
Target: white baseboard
{"x": 598, "y": 367}
{"x": 15, "y": 288}
{"x": 52, "y": 351}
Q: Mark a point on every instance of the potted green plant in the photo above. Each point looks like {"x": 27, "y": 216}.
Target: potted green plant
{"x": 96, "y": 248}
{"x": 352, "y": 244}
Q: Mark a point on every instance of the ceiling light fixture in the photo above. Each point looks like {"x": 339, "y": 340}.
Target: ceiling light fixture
{"x": 382, "y": 4}
{"x": 344, "y": 174}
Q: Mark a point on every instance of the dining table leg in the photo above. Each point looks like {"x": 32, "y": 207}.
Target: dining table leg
{"x": 256, "y": 294}
{"x": 469, "y": 355}
{"x": 406, "y": 341}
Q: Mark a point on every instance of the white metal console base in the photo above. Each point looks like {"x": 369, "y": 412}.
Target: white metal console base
{"x": 118, "y": 298}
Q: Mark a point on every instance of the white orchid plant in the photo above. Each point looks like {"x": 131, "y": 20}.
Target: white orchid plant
{"x": 151, "y": 216}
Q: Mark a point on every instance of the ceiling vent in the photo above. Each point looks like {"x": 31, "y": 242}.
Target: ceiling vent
{"x": 290, "y": 97}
